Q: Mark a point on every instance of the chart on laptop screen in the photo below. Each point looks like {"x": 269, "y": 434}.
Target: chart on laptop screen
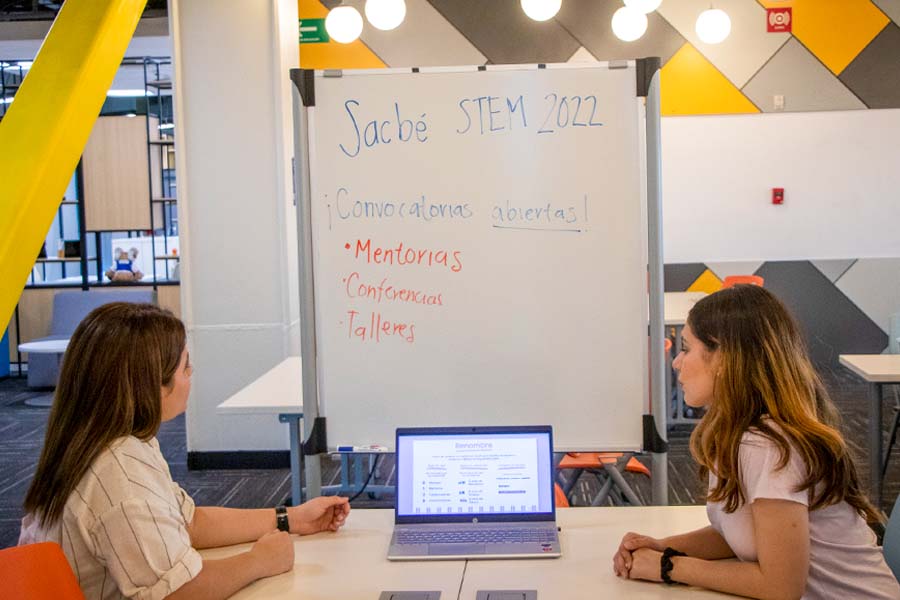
{"x": 497, "y": 475}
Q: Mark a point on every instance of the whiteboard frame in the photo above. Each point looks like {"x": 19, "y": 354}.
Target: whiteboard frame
{"x": 647, "y": 86}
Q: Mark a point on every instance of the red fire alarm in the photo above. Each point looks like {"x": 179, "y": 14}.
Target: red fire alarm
{"x": 777, "y": 195}
{"x": 778, "y": 20}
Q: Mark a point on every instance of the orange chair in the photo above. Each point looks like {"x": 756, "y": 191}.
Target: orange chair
{"x": 607, "y": 467}
{"x": 731, "y": 280}
{"x": 37, "y": 572}
{"x": 560, "y": 497}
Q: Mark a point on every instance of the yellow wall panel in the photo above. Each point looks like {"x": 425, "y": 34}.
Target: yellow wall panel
{"x": 835, "y": 31}
{"x": 333, "y": 55}
{"x": 691, "y": 85}
{"x": 707, "y": 282}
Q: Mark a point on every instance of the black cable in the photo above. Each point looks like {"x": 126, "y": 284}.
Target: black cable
{"x": 366, "y": 484}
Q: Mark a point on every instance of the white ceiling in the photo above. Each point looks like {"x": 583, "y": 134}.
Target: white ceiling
{"x": 21, "y": 41}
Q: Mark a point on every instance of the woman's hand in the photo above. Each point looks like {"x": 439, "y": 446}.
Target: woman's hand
{"x": 325, "y": 513}
{"x": 645, "y": 564}
{"x": 623, "y": 559}
{"x": 274, "y": 553}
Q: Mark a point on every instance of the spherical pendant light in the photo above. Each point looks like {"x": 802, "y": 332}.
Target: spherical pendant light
{"x": 629, "y": 24}
{"x": 344, "y": 24}
{"x": 385, "y": 14}
{"x": 713, "y": 26}
{"x": 541, "y": 10}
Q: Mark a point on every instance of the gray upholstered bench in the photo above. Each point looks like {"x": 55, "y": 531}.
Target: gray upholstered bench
{"x": 69, "y": 308}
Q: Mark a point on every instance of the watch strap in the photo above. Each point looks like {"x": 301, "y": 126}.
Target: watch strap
{"x": 281, "y": 519}
{"x": 666, "y": 565}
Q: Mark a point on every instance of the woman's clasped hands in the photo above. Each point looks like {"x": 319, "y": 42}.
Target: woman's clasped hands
{"x": 638, "y": 557}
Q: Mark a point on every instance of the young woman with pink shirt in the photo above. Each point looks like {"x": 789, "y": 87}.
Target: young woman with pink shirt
{"x": 784, "y": 496}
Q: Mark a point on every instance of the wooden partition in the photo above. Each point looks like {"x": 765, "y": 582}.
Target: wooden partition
{"x": 116, "y": 177}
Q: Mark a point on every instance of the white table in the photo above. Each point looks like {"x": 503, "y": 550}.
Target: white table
{"x": 876, "y": 370}
{"x": 677, "y": 306}
{"x": 278, "y": 393}
{"x": 57, "y": 347}
{"x": 351, "y": 564}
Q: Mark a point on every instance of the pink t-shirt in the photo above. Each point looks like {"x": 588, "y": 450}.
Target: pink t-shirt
{"x": 844, "y": 560}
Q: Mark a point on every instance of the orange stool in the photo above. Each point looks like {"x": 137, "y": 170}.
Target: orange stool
{"x": 560, "y": 497}
{"x": 731, "y": 280}
{"x": 37, "y": 572}
{"x": 607, "y": 467}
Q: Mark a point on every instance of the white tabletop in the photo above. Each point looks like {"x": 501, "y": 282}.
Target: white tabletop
{"x": 45, "y": 347}
{"x": 352, "y": 565}
{"x": 874, "y": 368}
{"x": 679, "y": 304}
{"x": 278, "y": 391}
{"x": 589, "y": 538}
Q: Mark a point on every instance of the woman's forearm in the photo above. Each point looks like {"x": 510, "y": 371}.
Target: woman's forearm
{"x": 734, "y": 577}
{"x": 213, "y": 526}
{"x": 220, "y": 579}
{"x": 706, "y": 543}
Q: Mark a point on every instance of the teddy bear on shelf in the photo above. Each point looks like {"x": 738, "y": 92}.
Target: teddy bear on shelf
{"x": 124, "y": 269}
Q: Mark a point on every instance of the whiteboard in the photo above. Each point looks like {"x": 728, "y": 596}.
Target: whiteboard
{"x": 838, "y": 170}
{"x": 477, "y": 251}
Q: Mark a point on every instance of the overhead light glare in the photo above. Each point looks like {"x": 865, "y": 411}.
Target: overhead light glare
{"x": 629, "y": 24}
{"x": 713, "y": 26}
{"x": 344, "y": 24}
{"x": 385, "y": 14}
{"x": 541, "y": 10}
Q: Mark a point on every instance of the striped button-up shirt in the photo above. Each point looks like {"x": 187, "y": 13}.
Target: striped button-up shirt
{"x": 124, "y": 528}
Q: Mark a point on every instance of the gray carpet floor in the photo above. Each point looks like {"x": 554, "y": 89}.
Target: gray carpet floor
{"x": 22, "y": 432}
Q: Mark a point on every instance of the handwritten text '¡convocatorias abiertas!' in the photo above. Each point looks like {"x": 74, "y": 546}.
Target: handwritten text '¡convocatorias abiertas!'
{"x": 401, "y": 255}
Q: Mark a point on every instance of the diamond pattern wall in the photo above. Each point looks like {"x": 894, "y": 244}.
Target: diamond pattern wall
{"x": 842, "y": 54}
{"x": 874, "y": 75}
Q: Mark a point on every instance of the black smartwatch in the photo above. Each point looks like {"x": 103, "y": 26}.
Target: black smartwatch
{"x": 281, "y": 519}
{"x": 665, "y": 564}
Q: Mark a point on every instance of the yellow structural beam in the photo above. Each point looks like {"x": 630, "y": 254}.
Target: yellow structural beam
{"x": 48, "y": 124}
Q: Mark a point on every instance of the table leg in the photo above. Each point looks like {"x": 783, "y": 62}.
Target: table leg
{"x": 296, "y": 435}
{"x": 875, "y": 443}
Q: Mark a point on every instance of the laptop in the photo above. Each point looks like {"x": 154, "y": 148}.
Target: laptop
{"x": 474, "y": 492}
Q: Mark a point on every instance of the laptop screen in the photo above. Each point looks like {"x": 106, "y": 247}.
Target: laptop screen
{"x": 460, "y": 473}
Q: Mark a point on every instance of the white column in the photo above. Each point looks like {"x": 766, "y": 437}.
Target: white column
{"x": 235, "y": 205}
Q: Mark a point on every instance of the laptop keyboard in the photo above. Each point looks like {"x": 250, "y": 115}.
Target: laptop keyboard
{"x": 476, "y": 536}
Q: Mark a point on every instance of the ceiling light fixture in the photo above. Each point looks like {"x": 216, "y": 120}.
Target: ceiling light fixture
{"x": 541, "y": 10}
{"x": 629, "y": 24}
{"x": 713, "y": 26}
{"x": 344, "y": 24}
{"x": 385, "y": 14}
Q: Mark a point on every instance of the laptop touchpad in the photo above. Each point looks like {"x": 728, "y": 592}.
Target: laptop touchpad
{"x": 454, "y": 549}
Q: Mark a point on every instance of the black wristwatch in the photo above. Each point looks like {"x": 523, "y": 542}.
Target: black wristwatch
{"x": 665, "y": 564}
{"x": 281, "y": 519}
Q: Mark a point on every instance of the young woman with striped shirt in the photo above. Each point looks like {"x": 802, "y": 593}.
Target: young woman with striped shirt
{"x": 103, "y": 490}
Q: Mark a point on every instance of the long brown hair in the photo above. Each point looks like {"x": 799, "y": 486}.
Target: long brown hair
{"x": 109, "y": 386}
{"x": 764, "y": 371}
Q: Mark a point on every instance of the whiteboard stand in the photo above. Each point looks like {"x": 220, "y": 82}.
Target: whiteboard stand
{"x": 655, "y": 440}
{"x": 416, "y": 155}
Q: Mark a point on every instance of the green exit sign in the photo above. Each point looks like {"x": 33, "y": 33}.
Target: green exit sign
{"x": 312, "y": 31}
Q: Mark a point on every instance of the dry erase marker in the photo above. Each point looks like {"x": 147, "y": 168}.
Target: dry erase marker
{"x": 371, "y": 448}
